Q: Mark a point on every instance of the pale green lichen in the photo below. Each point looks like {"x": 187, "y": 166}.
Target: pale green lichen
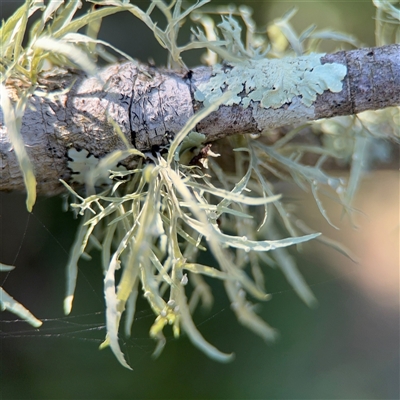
{"x": 272, "y": 83}
{"x": 82, "y": 164}
{"x": 172, "y": 201}
{"x": 184, "y": 153}
{"x": 13, "y": 120}
{"x": 153, "y": 222}
{"x": 10, "y": 304}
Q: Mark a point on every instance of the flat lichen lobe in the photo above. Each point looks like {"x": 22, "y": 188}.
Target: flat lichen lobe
{"x": 273, "y": 83}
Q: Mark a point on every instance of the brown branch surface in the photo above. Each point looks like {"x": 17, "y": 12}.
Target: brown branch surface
{"x": 149, "y": 110}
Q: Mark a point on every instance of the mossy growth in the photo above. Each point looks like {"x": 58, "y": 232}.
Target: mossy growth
{"x": 152, "y": 223}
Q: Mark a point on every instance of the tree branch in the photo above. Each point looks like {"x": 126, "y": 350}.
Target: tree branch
{"x": 149, "y": 110}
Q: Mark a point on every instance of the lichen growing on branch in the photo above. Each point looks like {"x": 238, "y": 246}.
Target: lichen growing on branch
{"x": 153, "y": 222}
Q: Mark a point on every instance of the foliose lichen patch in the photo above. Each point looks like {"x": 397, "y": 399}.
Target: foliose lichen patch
{"x": 274, "y": 82}
{"x": 81, "y": 163}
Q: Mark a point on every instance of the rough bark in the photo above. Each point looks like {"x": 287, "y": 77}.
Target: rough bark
{"x": 151, "y": 110}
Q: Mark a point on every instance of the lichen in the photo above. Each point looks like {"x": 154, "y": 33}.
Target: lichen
{"x": 153, "y": 222}
{"x": 272, "y": 83}
{"x": 81, "y": 163}
{"x": 168, "y": 202}
{"x": 10, "y": 304}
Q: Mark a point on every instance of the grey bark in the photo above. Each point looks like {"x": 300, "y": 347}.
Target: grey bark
{"x": 149, "y": 110}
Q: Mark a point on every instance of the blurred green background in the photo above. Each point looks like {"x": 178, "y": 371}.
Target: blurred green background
{"x": 347, "y": 348}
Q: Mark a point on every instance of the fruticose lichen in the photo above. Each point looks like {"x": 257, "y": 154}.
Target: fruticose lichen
{"x": 9, "y": 303}
{"x": 152, "y": 223}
